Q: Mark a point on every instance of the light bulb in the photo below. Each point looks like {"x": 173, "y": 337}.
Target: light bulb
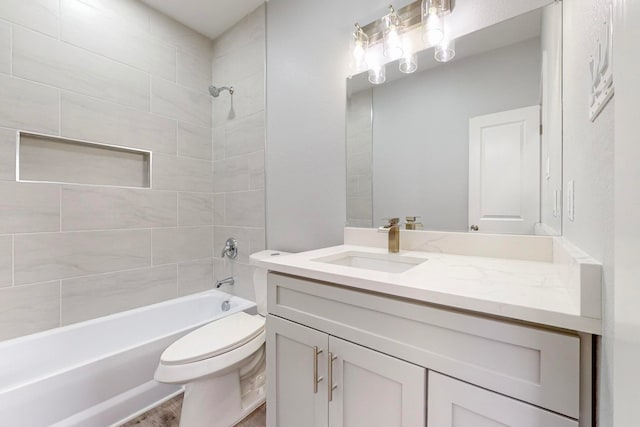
{"x": 392, "y": 43}
{"x": 446, "y": 50}
{"x": 359, "y": 54}
{"x": 377, "y": 74}
{"x": 433, "y": 29}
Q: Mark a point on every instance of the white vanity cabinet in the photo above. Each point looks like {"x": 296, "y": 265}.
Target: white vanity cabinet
{"x": 324, "y": 381}
{"x": 398, "y": 360}
{"x": 453, "y": 403}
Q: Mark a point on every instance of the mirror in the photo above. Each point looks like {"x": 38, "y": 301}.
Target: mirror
{"x": 474, "y": 144}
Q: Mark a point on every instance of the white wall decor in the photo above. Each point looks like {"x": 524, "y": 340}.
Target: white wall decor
{"x": 601, "y": 89}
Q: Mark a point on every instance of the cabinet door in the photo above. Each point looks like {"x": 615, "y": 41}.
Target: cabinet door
{"x": 455, "y": 403}
{"x": 292, "y": 399}
{"x": 373, "y": 389}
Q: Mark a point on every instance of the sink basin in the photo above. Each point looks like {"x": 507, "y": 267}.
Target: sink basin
{"x": 388, "y": 263}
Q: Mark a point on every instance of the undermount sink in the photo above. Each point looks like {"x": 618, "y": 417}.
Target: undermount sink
{"x": 388, "y": 263}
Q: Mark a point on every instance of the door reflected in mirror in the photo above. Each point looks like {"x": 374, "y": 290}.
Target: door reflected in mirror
{"x": 471, "y": 145}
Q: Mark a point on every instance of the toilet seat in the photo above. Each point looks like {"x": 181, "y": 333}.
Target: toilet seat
{"x": 214, "y": 339}
{"x": 220, "y": 359}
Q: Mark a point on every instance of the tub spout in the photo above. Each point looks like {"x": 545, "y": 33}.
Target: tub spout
{"x": 228, "y": 281}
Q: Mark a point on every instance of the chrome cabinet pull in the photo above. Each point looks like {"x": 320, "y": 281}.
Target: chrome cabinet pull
{"x": 331, "y": 385}
{"x": 316, "y": 378}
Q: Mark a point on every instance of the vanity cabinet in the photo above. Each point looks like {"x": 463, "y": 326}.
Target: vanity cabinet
{"x": 386, "y": 347}
{"x": 453, "y": 403}
{"x": 324, "y": 381}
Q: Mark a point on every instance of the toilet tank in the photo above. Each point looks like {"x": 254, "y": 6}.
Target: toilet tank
{"x": 260, "y": 277}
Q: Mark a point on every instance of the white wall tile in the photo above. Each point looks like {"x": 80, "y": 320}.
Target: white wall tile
{"x": 94, "y": 296}
{"x": 218, "y": 209}
{"x": 218, "y": 143}
{"x": 195, "y": 209}
{"x": 177, "y": 102}
{"x": 171, "y": 245}
{"x": 132, "y": 15}
{"x": 47, "y": 60}
{"x": 245, "y": 62}
{"x": 195, "y": 276}
{"x": 29, "y": 208}
{"x": 5, "y": 48}
{"x": 39, "y": 15}
{"x": 231, "y": 174}
{"x": 29, "y": 309}
{"x": 7, "y": 154}
{"x": 174, "y": 33}
{"x": 93, "y": 120}
{"x": 248, "y": 30}
{"x": 50, "y": 256}
{"x": 181, "y": 174}
{"x": 245, "y": 208}
{"x": 92, "y": 27}
{"x": 256, "y": 170}
{"x": 244, "y": 136}
{"x": 6, "y": 261}
{"x": 28, "y": 106}
{"x": 193, "y": 70}
{"x": 100, "y": 208}
{"x": 194, "y": 141}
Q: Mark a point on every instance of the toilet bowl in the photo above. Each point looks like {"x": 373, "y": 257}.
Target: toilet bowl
{"x": 221, "y": 364}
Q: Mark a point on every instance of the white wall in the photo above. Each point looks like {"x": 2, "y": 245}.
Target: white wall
{"x": 421, "y": 131}
{"x": 307, "y": 63}
{"x": 588, "y": 159}
{"x": 626, "y": 374}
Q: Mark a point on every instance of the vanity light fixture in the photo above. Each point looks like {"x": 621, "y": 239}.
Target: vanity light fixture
{"x": 361, "y": 44}
{"x": 392, "y": 41}
{"x": 408, "y": 63}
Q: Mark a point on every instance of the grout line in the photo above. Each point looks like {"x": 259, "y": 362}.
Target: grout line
{"x": 60, "y": 302}
{"x": 60, "y": 208}
{"x": 11, "y": 49}
{"x": 13, "y": 260}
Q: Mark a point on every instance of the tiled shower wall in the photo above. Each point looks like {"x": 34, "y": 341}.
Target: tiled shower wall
{"x": 238, "y": 146}
{"x": 116, "y": 72}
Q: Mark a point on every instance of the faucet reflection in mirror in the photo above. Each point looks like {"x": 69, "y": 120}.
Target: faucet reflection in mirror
{"x": 393, "y": 37}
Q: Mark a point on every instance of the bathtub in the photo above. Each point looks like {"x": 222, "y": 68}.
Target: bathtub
{"x": 99, "y": 372}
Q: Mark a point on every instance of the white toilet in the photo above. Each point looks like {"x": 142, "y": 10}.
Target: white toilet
{"x": 221, "y": 363}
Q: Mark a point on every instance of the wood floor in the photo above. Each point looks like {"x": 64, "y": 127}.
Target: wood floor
{"x": 168, "y": 415}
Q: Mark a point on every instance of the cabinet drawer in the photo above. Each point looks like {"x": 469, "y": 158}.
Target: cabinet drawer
{"x": 533, "y": 365}
{"x": 455, "y": 403}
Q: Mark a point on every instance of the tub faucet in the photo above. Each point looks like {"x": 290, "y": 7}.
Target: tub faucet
{"x": 228, "y": 281}
{"x": 393, "y": 229}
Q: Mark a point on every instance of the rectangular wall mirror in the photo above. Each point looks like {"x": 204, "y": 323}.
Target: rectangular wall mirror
{"x": 473, "y": 144}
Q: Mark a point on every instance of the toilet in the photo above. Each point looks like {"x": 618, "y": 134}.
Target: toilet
{"x": 222, "y": 364}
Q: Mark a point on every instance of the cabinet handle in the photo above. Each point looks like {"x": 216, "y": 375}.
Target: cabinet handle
{"x": 331, "y": 385}
{"x": 316, "y": 378}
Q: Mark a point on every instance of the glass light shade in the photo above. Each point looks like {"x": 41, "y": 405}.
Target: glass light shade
{"x": 377, "y": 74}
{"x": 445, "y": 51}
{"x": 432, "y": 29}
{"x": 409, "y": 64}
{"x": 392, "y": 43}
{"x": 360, "y": 54}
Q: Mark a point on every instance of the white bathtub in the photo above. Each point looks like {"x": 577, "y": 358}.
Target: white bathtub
{"x": 99, "y": 372}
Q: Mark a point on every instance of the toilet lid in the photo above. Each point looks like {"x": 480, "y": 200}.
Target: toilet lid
{"x": 213, "y": 339}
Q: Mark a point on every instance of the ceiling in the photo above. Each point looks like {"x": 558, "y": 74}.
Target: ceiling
{"x": 208, "y": 17}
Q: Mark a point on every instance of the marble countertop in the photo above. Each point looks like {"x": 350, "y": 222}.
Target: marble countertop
{"x": 532, "y": 291}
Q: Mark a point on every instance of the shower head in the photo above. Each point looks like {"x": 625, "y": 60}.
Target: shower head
{"x": 215, "y": 91}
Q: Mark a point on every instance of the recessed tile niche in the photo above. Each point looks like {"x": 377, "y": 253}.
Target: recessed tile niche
{"x": 52, "y": 159}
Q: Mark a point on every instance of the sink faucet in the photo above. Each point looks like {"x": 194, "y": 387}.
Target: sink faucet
{"x": 394, "y": 234}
